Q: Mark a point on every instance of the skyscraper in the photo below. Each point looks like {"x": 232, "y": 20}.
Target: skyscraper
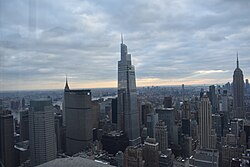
{"x": 42, "y": 131}
{"x": 167, "y": 115}
{"x": 212, "y": 98}
{"x": 186, "y": 110}
{"x": 152, "y": 119}
{"x": 167, "y": 102}
{"x": 128, "y": 114}
{"x": 161, "y": 136}
{"x": 151, "y": 152}
{"x": 78, "y": 118}
{"x": 6, "y": 139}
{"x": 114, "y": 110}
{"x": 238, "y": 92}
{"x": 24, "y": 125}
{"x": 205, "y": 122}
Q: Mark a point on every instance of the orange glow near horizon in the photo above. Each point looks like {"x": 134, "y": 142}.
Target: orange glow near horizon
{"x": 112, "y": 84}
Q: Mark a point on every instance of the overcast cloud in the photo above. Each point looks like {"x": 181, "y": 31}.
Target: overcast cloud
{"x": 171, "y": 42}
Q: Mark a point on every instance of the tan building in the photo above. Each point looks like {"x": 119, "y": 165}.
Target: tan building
{"x": 161, "y": 136}
{"x": 133, "y": 157}
{"x": 205, "y": 123}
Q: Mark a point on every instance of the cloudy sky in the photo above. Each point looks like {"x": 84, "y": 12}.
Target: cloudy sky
{"x": 171, "y": 42}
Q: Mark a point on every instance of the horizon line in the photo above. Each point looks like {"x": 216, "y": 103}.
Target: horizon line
{"x": 57, "y": 89}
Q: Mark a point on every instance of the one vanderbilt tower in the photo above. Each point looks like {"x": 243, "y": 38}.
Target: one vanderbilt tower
{"x": 128, "y": 114}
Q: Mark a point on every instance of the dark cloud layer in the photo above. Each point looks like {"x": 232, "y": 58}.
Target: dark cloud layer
{"x": 172, "y": 42}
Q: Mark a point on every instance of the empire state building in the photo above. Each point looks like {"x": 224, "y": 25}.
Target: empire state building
{"x": 128, "y": 114}
{"x": 238, "y": 92}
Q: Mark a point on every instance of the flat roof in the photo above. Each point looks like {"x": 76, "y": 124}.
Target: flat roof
{"x": 74, "y": 161}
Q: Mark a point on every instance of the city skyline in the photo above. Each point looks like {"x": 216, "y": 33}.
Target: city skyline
{"x": 172, "y": 43}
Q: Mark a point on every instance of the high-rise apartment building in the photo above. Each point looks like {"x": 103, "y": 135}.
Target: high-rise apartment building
{"x": 42, "y": 131}
{"x": 238, "y": 92}
{"x": 128, "y": 114}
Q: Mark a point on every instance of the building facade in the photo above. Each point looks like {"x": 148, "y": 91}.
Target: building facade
{"x": 161, "y": 136}
{"x": 238, "y": 92}
{"x": 7, "y": 139}
{"x": 128, "y": 114}
{"x": 79, "y": 119}
{"x": 133, "y": 157}
{"x": 151, "y": 153}
{"x": 205, "y": 122}
{"x": 42, "y": 131}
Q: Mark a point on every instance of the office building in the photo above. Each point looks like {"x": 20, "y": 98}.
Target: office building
{"x": 217, "y": 124}
{"x": 167, "y": 102}
{"x": 228, "y": 152}
{"x": 60, "y": 136}
{"x": 152, "y": 119}
{"x": 7, "y": 156}
{"x": 212, "y": 98}
{"x": 238, "y": 92}
{"x": 24, "y": 125}
{"x": 161, "y": 136}
{"x": 42, "y": 131}
{"x": 128, "y": 114}
{"x": 166, "y": 159}
{"x": 114, "y": 141}
{"x": 22, "y": 152}
{"x": 186, "y": 110}
{"x": 133, "y": 157}
{"x": 186, "y": 126}
{"x": 151, "y": 153}
{"x": 79, "y": 119}
{"x": 167, "y": 115}
{"x": 146, "y": 109}
{"x": 114, "y": 110}
{"x": 205, "y": 122}
{"x": 205, "y": 158}
{"x": 1, "y": 104}
{"x": 224, "y": 102}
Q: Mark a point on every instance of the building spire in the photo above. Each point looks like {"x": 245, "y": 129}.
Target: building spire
{"x": 121, "y": 38}
{"x": 237, "y": 59}
{"x": 66, "y": 85}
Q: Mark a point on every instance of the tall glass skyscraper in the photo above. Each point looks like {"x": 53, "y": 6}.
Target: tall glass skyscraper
{"x": 128, "y": 114}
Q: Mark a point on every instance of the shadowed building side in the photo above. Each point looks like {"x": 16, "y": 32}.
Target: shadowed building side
{"x": 238, "y": 92}
{"x": 78, "y": 119}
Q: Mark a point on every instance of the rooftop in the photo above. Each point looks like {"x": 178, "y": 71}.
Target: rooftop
{"x": 74, "y": 161}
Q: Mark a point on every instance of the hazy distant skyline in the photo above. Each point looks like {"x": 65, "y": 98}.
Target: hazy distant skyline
{"x": 171, "y": 42}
